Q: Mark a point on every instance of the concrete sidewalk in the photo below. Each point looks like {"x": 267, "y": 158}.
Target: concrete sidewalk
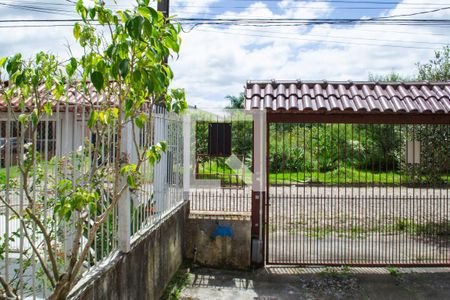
{"x": 319, "y": 283}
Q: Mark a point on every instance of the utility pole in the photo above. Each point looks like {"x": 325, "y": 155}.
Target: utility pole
{"x": 161, "y": 134}
{"x": 163, "y": 6}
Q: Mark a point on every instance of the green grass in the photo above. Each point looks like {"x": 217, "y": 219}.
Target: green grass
{"x": 352, "y": 232}
{"x": 400, "y": 225}
{"x": 338, "y": 176}
{"x": 428, "y": 229}
{"x": 224, "y": 173}
{"x": 178, "y": 282}
{"x": 343, "y": 175}
{"x": 14, "y": 172}
{"x": 393, "y": 271}
{"x": 337, "y": 273}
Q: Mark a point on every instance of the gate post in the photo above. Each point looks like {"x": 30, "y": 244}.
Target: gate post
{"x": 258, "y": 185}
{"x": 160, "y": 167}
{"x": 186, "y": 155}
{"x": 124, "y": 205}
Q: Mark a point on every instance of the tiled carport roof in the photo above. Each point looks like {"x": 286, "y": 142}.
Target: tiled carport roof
{"x": 348, "y": 96}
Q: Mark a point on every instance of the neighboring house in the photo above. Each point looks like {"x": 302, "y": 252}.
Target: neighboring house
{"x": 57, "y": 134}
{"x": 66, "y": 130}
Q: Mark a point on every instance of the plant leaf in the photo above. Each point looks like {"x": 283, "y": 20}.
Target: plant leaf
{"x": 144, "y": 11}
{"x": 77, "y": 31}
{"x": 97, "y": 80}
{"x": 48, "y": 108}
{"x": 2, "y": 61}
{"x": 92, "y": 118}
{"x": 124, "y": 68}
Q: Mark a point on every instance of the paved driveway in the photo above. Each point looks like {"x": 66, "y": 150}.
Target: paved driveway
{"x": 320, "y": 283}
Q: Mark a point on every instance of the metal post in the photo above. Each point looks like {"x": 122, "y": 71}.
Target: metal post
{"x": 124, "y": 206}
{"x": 163, "y": 6}
{"x": 160, "y": 174}
{"x": 68, "y": 133}
{"x": 258, "y": 184}
{"x": 186, "y": 155}
{"x": 160, "y": 168}
{"x": 7, "y": 162}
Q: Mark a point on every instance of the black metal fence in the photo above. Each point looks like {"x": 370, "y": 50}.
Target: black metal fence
{"x": 358, "y": 194}
{"x": 222, "y": 162}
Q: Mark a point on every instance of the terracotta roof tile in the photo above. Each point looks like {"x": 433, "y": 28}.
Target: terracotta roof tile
{"x": 364, "y": 96}
{"x": 72, "y": 99}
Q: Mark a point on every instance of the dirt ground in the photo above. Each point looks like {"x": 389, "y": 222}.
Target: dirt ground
{"x": 319, "y": 283}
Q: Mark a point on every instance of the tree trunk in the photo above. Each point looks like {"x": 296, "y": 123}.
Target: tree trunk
{"x": 61, "y": 290}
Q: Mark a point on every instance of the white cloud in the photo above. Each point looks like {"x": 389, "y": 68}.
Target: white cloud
{"x": 54, "y": 39}
{"x": 89, "y": 3}
{"x": 305, "y": 9}
{"x": 216, "y": 62}
{"x": 190, "y": 8}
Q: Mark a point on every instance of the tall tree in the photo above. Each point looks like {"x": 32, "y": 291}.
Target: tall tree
{"x": 438, "y": 68}
{"x": 124, "y": 59}
{"x": 391, "y": 77}
{"x": 236, "y": 102}
{"x": 433, "y": 138}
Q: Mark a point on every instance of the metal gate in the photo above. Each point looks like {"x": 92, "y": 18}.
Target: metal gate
{"x": 222, "y": 143}
{"x": 358, "y": 194}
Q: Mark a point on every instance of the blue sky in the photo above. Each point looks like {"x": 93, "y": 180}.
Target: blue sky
{"x": 216, "y": 61}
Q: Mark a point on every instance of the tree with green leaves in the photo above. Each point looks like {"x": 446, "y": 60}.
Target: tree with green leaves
{"x": 391, "y": 77}
{"x": 437, "y": 68}
{"x": 236, "y": 102}
{"x": 433, "y": 138}
{"x": 124, "y": 60}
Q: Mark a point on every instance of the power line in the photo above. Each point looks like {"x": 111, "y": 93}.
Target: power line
{"x": 37, "y": 6}
{"x": 264, "y": 22}
{"x": 397, "y": 31}
{"x": 260, "y": 20}
{"x": 40, "y": 7}
{"x": 240, "y": 25}
{"x": 346, "y": 37}
{"x": 37, "y": 26}
{"x": 317, "y": 41}
{"x": 424, "y": 6}
{"x": 346, "y": 1}
{"x": 416, "y": 13}
{"x": 376, "y": 2}
{"x": 182, "y": 8}
{"x": 342, "y": 37}
{"x": 36, "y": 9}
{"x": 302, "y": 22}
{"x": 267, "y": 22}
{"x": 336, "y": 19}
{"x": 39, "y": 20}
{"x": 45, "y": 9}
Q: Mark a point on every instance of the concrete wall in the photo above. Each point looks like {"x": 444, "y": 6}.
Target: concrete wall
{"x": 219, "y": 242}
{"x": 145, "y": 271}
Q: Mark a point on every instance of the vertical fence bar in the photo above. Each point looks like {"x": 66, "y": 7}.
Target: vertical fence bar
{"x": 7, "y": 162}
{"x": 21, "y": 207}
{"x": 124, "y": 205}
{"x": 258, "y": 184}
